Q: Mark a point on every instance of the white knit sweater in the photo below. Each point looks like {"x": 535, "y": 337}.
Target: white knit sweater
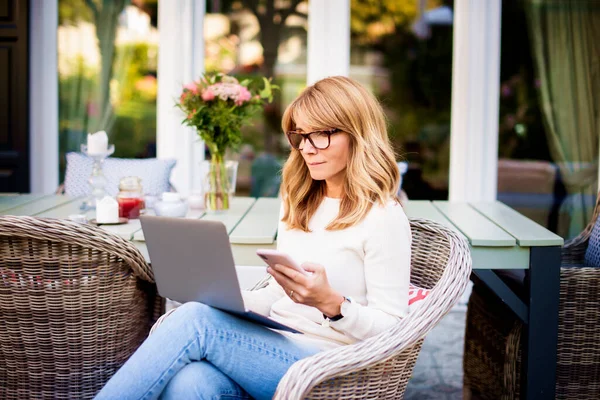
{"x": 369, "y": 262}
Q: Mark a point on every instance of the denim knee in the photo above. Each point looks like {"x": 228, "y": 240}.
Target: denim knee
{"x": 201, "y": 380}
{"x": 193, "y": 310}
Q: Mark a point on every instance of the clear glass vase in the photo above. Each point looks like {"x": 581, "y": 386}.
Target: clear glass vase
{"x": 96, "y": 180}
{"x": 218, "y": 182}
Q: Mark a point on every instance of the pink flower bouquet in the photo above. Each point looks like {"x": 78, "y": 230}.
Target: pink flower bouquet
{"x": 217, "y": 106}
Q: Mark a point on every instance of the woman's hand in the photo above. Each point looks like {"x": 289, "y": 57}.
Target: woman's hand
{"x": 311, "y": 290}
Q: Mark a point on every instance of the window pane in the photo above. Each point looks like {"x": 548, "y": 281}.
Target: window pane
{"x": 107, "y": 58}
{"x": 269, "y": 40}
{"x": 547, "y": 155}
{"x": 404, "y": 55}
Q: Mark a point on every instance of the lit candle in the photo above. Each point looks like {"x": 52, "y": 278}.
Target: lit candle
{"x": 107, "y": 211}
{"x": 97, "y": 143}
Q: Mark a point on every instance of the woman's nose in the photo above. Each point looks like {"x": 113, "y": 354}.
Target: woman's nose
{"x": 308, "y": 148}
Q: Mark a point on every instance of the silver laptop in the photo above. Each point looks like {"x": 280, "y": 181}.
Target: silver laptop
{"x": 192, "y": 261}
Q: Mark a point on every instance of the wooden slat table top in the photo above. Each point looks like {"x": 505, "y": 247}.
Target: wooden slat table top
{"x": 426, "y": 209}
{"x": 259, "y": 226}
{"x": 500, "y": 237}
{"x": 524, "y": 230}
{"x": 64, "y": 210}
{"x": 138, "y": 235}
{"x": 484, "y": 256}
{"x": 237, "y": 211}
{"x": 230, "y": 218}
{"x": 40, "y": 205}
{"x": 477, "y": 228}
{"x": 11, "y": 201}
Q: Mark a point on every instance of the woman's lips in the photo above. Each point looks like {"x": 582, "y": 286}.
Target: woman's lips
{"x": 314, "y": 164}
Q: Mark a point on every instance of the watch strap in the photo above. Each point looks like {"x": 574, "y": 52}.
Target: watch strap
{"x": 335, "y": 317}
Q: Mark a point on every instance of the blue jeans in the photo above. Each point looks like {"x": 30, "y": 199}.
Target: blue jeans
{"x": 204, "y": 353}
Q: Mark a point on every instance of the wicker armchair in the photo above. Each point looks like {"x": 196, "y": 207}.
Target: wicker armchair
{"x": 75, "y": 303}
{"x": 492, "y": 357}
{"x": 381, "y": 366}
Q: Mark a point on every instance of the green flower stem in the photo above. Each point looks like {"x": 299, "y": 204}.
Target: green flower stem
{"x": 217, "y": 198}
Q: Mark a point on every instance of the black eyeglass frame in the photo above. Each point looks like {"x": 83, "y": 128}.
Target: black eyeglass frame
{"x": 306, "y": 135}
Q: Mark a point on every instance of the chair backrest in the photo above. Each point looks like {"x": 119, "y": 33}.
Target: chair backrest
{"x": 266, "y": 176}
{"x": 592, "y": 252}
{"x": 75, "y": 303}
{"x": 154, "y": 173}
{"x": 429, "y": 254}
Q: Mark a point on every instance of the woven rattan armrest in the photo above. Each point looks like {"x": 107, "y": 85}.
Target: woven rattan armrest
{"x": 89, "y": 236}
{"x": 306, "y": 374}
{"x": 573, "y": 252}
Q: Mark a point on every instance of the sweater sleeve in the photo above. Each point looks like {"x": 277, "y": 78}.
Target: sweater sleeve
{"x": 261, "y": 300}
{"x": 387, "y": 255}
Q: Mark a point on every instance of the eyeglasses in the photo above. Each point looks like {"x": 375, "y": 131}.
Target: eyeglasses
{"x": 318, "y": 139}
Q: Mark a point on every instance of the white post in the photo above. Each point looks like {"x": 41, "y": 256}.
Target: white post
{"x": 180, "y": 61}
{"x": 328, "y": 39}
{"x": 43, "y": 95}
{"x": 475, "y": 91}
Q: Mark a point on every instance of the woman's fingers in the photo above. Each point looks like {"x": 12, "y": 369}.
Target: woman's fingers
{"x": 291, "y": 273}
{"x": 300, "y": 287}
{"x": 312, "y": 267}
{"x": 285, "y": 282}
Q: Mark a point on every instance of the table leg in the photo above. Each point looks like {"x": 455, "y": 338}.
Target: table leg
{"x": 504, "y": 293}
{"x": 540, "y": 336}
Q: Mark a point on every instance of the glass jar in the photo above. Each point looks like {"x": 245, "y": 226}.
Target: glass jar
{"x": 130, "y": 197}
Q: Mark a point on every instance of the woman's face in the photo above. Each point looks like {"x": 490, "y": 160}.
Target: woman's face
{"x": 328, "y": 164}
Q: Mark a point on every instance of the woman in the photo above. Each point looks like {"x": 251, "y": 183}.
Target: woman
{"x": 340, "y": 219}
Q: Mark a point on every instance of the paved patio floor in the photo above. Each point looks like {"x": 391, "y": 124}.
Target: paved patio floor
{"x": 438, "y": 372}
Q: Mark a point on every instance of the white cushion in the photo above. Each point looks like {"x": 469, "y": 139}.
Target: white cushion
{"x": 155, "y": 174}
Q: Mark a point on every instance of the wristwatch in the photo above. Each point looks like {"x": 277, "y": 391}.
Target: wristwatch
{"x": 327, "y": 320}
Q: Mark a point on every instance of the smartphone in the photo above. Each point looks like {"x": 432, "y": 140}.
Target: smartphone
{"x": 272, "y": 257}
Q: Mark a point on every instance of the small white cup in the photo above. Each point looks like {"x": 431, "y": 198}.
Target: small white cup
{"x": 81, "y": 218}
{"x": 171, "y": 205}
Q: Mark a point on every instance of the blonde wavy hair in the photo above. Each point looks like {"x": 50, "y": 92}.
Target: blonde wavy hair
{"x": 372, "y": 174}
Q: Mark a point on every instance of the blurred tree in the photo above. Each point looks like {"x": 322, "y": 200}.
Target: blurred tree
{"x": 106, "y": 18}
{"x": 104, "y": 14}
{"x": 129, "y": 87}
{"x": 150, "y": 7}
{"x": 373, "y": 20}
{"x": 272, "y": 16}
{"x": 70, "y": 12}
{"x": 369, "y": 21}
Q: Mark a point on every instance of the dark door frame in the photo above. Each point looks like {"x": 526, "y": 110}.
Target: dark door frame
{"x": 14, "y": 96}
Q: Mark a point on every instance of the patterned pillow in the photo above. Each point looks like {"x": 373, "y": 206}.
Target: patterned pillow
{"x": 592, "y": 253}
{"x": 416, "y": 295}
{"x": 154, "y": 173}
